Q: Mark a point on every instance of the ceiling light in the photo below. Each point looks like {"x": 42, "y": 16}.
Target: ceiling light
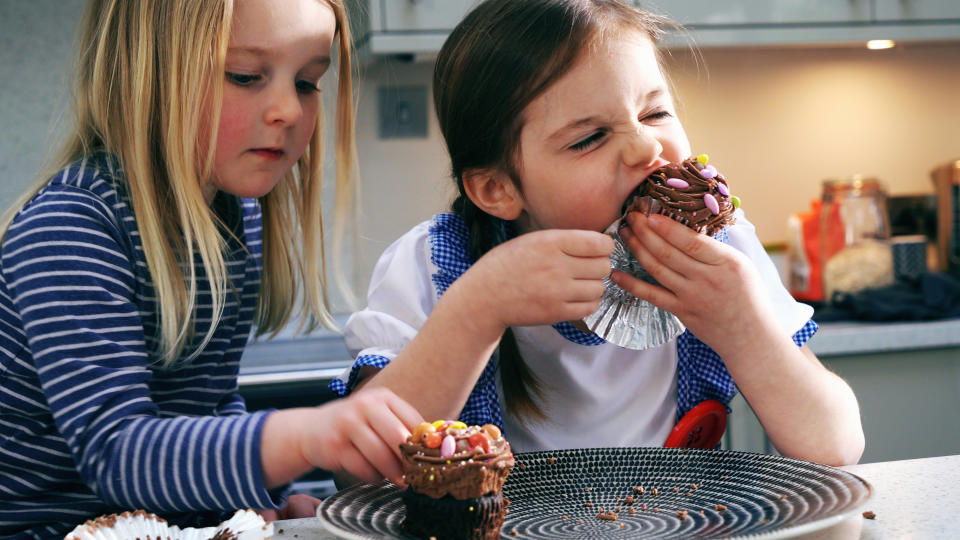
{"x": 877, "y": 44}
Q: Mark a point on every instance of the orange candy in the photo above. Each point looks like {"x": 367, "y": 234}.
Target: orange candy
{"x": 493, "y": 431}
{"x": 433, "y": 440}
{"x": 422, "y": 429}
{"x": 480, "y": 439}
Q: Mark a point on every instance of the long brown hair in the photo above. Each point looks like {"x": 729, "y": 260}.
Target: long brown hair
{"x": 502, "y": 56}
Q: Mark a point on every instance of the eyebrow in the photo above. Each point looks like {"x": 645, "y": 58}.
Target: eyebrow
{"x": 594, "y": 119}
{"x": 321, "y": 59}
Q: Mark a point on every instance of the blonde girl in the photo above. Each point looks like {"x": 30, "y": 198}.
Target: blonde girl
{"x": 186, "y": 210}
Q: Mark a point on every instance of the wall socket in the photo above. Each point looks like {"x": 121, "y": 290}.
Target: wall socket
{"x": 402, "y": 111}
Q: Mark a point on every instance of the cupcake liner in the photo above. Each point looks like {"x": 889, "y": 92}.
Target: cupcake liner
{"x": 244, "y": 525}
{"x": 624, "y": 319}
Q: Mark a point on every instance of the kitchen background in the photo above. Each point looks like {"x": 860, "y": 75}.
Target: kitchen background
{"x": 781, "y": 93}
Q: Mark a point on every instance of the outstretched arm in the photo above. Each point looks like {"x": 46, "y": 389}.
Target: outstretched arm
{"x": 807, "y": 411}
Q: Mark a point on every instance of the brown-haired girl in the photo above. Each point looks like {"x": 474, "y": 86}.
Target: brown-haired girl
{"x": 186, "y": 210}
{"x": 553, "y": 112}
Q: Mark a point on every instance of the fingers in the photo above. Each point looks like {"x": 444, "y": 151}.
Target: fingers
{"x": 658, "y": 296}
{"x": 578, "y": 243}
{"x": 299, "y": 506}
{"x": 269, "y": 515}
{"x": 667, "y": 265}
{"x": 696, "y": 246}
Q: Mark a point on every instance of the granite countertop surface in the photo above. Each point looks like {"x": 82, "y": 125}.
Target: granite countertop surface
{"x": 911, "y": 499}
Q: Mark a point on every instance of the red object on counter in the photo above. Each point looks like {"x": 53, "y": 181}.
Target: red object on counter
{"x": 701, "y": 427}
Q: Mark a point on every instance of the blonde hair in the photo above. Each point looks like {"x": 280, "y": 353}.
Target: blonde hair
{"x": 141, "y": 66}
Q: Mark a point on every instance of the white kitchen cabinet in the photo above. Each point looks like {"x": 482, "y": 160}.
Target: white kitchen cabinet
{"x": 917, "y": 10}
{"x": 420, "y": 15}
{"x": 418, "y": 28}
{"x": 763, "y": 12}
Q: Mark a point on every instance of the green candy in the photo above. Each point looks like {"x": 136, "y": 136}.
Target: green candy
{"x": 735, "y": 200}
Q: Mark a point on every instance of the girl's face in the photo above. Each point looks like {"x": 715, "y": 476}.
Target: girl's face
{"x": 277, "y": 53}
{"x": 592, "y": 137}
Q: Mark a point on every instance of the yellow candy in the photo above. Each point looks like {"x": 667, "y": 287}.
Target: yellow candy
{"x": 703, "y": 159}
{"x": 736, "y": 201}
{"x": 439, "y": 424}
{"x": 458, "y": 425}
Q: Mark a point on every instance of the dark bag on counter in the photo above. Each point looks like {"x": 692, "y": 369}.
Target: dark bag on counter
{"x": 930, "y": 295}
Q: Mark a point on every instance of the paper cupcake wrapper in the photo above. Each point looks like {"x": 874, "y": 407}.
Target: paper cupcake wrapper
{"x": 624, "y": 319}
{"x": 244, "y": 525}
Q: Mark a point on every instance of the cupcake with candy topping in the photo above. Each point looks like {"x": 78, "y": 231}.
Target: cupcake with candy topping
{"x": 692, "y": 192}
{"x": 455, "y": 475}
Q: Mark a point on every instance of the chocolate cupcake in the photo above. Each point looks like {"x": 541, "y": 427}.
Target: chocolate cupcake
{"x": 455, "y": 475}
{"x": 691, "y": 192}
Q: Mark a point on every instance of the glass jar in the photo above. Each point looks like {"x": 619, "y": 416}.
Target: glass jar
{"x": 854, "y": 236}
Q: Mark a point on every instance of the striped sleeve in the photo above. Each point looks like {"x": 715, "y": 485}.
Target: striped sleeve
{"x": 67, "y": 266}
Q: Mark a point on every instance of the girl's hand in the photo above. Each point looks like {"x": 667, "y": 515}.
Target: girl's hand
{"x": 542, "y": 277}
{"x": 298, "y": 506}
{"x": 361, "y": 435}
{"x": 711, "y": 287}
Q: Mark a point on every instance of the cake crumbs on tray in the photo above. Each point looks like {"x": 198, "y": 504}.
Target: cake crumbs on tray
{"x": 869, "y": 515}
{"x": 607, "y": 516}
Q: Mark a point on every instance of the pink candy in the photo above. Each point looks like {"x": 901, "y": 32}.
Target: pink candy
{"x": 722, "y": 188}
{"x": 708, "y": 172}
{"x": 711, "y": 203}
{"x": 448, "y": 446}
{"x": 677, "y": 183}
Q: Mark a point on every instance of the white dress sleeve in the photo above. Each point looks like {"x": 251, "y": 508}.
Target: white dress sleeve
{"x": 400, "y": 297}
{"x": 790, "y": 314}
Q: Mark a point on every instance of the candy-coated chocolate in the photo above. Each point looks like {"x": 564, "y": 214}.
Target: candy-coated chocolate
{"x": 422, "y": 429}
{"x": 703, "y": 159}
{"x": 480, "y": 439}
{"x": 493, "y": 431}
{"x": 723, "y": 189}
{"x": 439, "y": 424}
{"x": 457, "y": 425}
{"x": 736, "y": 201}
{"x": 678, "y": 183}
{"x": 711, "y": 203}
{"x": 432, "y": 440}
{"x": 447, "y": 446}
{"x": 708, "y": 171}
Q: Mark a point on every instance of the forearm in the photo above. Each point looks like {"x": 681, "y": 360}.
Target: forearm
{"x": 438, "y": 369}
{"x": 281, "y": 453}
{"x": 807, "y": 411}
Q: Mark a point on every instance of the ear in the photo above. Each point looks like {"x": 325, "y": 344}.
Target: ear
{"x": 493, "y": 192}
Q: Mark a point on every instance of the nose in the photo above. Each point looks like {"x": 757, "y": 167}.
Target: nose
{"x": 283, "y": 106}
{"x": 642, "y": 149}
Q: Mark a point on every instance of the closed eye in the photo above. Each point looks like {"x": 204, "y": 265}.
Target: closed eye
{"x": 659, "y": 115}
{"x": 307, "y": 87}
{"x": 593, "y": 139}
{"x": 242, "y": 79}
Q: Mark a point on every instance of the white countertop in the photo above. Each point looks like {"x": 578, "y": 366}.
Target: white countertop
{"x": 911, "y": 499}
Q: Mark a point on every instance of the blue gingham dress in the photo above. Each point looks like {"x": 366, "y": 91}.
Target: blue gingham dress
{"x": 404, "y": 289}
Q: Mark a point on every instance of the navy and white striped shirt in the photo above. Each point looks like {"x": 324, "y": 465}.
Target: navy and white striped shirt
{"x": 89, "y": 421}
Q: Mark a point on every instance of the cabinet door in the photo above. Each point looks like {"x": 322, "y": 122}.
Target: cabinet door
{"x": 747, "y": 12}
{"x": 422, "y": 15}
{"x": 915, "y": 10}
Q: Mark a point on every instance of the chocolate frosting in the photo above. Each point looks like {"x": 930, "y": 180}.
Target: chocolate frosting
{"x": 688, "y": 205}
{"x": 468, "y": 473}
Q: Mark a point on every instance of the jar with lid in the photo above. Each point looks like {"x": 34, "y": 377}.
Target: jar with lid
{"x": 854, "y": 236}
